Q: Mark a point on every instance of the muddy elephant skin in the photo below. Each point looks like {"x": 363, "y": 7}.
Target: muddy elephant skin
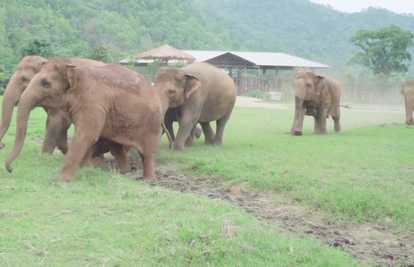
{"x": 204, "y": 93}
{"x": 110, "y": 102}
{"x": 318, "y": 95}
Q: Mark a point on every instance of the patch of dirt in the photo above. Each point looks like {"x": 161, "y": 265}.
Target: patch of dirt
{"x": 369, "y": 243}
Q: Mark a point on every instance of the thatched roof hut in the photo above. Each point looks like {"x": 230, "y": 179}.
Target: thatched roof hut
{"x": 165, "y": 53}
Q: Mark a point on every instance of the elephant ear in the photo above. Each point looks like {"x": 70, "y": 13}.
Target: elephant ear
{"x": 192, "y": 84}
{"x": 71, "y": 72}
{"x": 319, "y": 84}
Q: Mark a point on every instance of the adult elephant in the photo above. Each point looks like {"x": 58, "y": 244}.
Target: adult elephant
{"x": 407, "y": 90}
{"x": 318, "y": 95}
{"x": 57, "y": 123}
{"x": 110, "y": 102}
{"x": 203, "y": 92}
{"x": 173, "y": 115}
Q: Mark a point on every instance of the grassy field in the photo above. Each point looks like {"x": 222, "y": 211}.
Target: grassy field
{"x": 363, "y": 174}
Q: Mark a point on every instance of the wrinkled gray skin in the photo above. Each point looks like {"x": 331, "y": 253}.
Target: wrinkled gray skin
{"x": 172, "y": 115}
{"x": 317, "y": 95}
{"x": 204, "y": 93}
{"x": 407, "y": 90}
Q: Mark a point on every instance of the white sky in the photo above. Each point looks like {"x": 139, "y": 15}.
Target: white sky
{"x": 398, "y": 6}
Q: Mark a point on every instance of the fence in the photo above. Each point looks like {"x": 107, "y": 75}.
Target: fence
{"x": 245, "y": 85}
{"x": 362, "y": 93}
{"x": 359, "y": 93}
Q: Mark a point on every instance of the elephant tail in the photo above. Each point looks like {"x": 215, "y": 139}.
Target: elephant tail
{"x": 345, "y": 106}
{"x": 168, "y": 134}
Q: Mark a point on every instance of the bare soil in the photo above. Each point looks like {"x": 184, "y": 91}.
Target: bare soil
{"x": 372, "y": 244}
{"x": 251, "y": 102}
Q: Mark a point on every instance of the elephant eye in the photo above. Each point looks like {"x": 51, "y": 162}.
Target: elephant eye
{"x": 24, "y": 79}
{"x": 45, "y": 84}
{"x": 171, "y": 92}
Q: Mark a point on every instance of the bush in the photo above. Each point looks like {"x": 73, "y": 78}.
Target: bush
{"x": 257, "y": 93}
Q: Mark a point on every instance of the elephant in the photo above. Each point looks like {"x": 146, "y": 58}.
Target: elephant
{"x": 110, "y": 102}
{"x": 57, "y": 122}
{"x": 204, "y": 93}
{"x": 318, "y": 95}
{"x": 172, "y": 115}
{"x": 407, "y": 90}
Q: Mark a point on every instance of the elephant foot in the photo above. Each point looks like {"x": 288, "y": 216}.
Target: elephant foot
{"x": 178, "y": 150}
{"x": 66, "y": 177}
{"x": 189, "y": 144}
{"x": 408, "y": 122}
{"x": 321, "y": 132}
{"x": 337, "y": 128}
{"x": 217, "y": 143}
{"x": 295, "y": 132}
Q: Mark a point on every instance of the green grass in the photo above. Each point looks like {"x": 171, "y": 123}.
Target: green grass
{"x": 105, "y": 219}
{"x": 362, "y": 174}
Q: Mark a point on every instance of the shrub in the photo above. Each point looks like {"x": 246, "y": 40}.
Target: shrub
{"x": 257, "y": 93}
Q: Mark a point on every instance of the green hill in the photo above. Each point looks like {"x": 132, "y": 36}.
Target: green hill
{"x": 300, "y": 27}
{"x": 127, "y": 27}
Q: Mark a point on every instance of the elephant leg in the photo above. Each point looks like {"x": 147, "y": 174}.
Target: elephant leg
{"x": 208, "y": 133}
{"x": 62, "y": 142}
{"x": 409, "y": 105}
{"x": 94, "y": 161}
{"x": 336, "y": 118}
{"x": 220, "y": 125}
{"x": 148, "y": 157}
{"x": 187, "y": 121}
{"x": 51, "y": 136}
{"x": 121, "y": 157}
{"x": 57, "y": 125}
{"x": 189, "y": 142}
{"x": 297, "y": 128}
{"x": 86, "y": 135}
{"x": 320, "y": 121}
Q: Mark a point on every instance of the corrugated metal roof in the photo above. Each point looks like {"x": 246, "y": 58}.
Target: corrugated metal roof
{"x": 262, "y": 59}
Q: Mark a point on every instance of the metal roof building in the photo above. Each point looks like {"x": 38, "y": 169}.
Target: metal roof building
{"x": 245, "y": 60}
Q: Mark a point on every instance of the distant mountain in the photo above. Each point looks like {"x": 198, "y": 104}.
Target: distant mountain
{"x": 301, "y": 27}
{"x": 126, "y": 27}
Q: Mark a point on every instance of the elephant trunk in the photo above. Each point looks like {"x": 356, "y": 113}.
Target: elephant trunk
{"x": 10, "y": 98}
{"x": 27, "y": 103}
{"x": 299, "y": 116}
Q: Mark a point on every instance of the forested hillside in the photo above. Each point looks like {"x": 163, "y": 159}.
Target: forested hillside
{"x": 300, "y": 27}
{"x": 126, "y": 27}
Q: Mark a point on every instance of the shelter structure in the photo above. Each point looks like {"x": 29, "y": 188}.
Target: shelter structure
{"x": 236, "y": 64}
{"x": 165, "y": 53}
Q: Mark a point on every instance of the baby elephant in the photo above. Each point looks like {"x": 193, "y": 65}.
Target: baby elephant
{"x": 111, "y": 102}
{"x": 317, "y": 95}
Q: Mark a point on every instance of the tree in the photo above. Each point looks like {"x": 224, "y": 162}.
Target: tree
{"x": 100, "y": 53}
{"x": 40, "y": 46}
{"x": 384, "y": 50}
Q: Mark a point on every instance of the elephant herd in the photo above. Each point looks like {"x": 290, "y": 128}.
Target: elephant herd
{"x": 114, "y": 108}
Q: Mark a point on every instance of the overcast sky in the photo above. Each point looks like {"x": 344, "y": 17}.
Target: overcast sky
{"x": 398, "y": 6}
